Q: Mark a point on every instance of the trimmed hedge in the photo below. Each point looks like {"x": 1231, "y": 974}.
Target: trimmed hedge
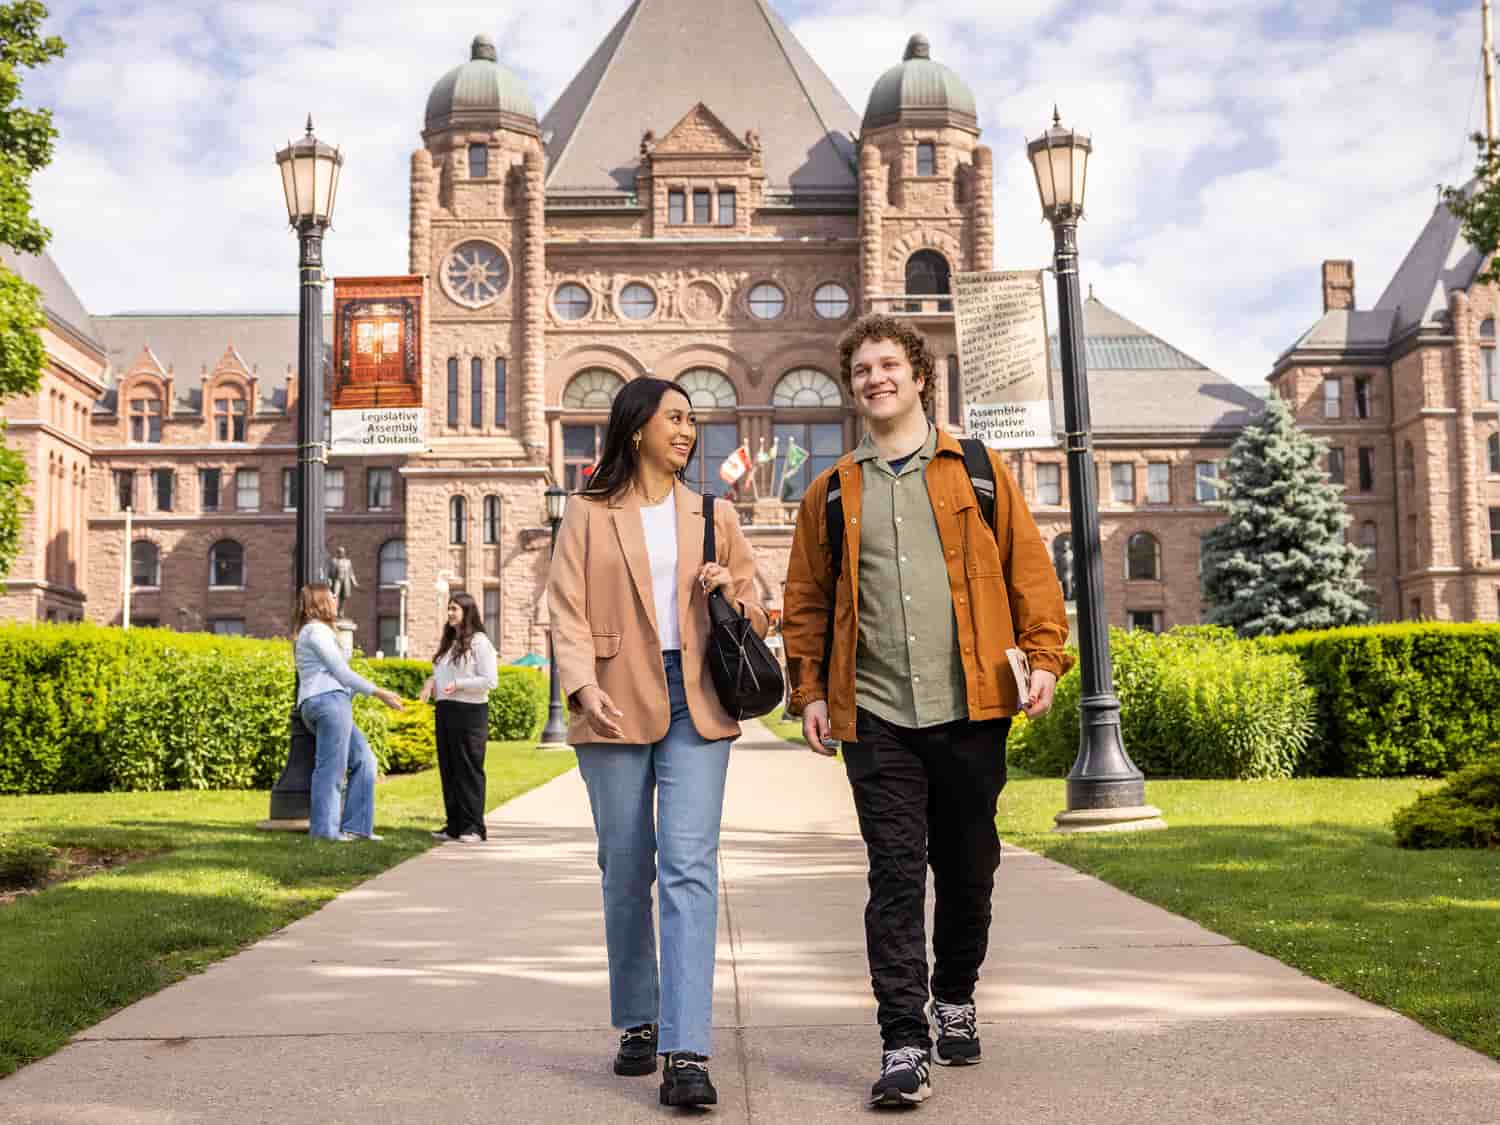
{"x": 1401, "y": 699}
{"x": 518, "y": 705}
{"x": 83, "y": 707}
{"x": 412, "y": 744}
{"x": 1464, "y": 813}
{"x": 404, "y": 677}
{"x": 1194, "y": 702}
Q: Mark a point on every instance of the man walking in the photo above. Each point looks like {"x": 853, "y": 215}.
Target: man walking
{"x": 905, "y": 588}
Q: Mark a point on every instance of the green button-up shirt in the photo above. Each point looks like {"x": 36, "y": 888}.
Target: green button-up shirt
{"x": 907, "y": 667}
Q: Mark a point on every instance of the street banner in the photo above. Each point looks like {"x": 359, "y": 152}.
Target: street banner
{"x": 377, "y": 366}
{"x": 1003, "y": 357}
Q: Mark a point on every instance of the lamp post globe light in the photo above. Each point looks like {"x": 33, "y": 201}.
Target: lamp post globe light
{"x": 310, "y": 181}
{"x": 1106, "y": 790}
{"x": 555, "y": 733}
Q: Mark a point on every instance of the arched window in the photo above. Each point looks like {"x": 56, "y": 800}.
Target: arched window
{"x": 1062, "y": 563}
{"x": 708, "y": 389}
{"x": 226, "y": 564}
{"x": 714, "y": 398}
{"x": 1143, "y": 558}
{"x": 927, "y": 273}
{"x": 1494, "y": 451}
{"x": 229, "y": 416}
{"x": 1487, "y": 328}
{"x": 1369, "y": 537}
{"x": 145, "y": 563}
{"x": 391, "y": 562}
{"x": 491, "y": 521}
{"x": 458, "y": 520}
{"x": 593, "y": 388}
{"x": 808, "y": 431}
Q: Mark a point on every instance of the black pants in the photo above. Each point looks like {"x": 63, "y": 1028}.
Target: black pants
{"x": 462, "y": 729}
{"x": 926, "y": 796}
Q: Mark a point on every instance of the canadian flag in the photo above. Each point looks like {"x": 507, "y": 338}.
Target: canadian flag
{"x": 736, "y": 465}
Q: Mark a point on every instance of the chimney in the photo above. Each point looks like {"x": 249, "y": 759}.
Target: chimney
{"x": 1338, "y": 284}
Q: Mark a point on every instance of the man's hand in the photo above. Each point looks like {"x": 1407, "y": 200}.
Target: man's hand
{"x": 816, "y": 728}
{"x": 600, "y": 711}
{"x": 1043, "y": 684}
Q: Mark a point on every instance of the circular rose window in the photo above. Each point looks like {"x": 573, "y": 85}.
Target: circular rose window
{"x": 475, "y": 274}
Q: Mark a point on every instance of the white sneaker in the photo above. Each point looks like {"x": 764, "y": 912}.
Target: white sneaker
{"x": 471, "y": 838}
{"x": 346, "y": 836}
{"x": 443, "y": 834}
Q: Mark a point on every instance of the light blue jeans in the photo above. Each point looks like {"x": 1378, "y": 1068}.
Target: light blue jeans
{"x": 681, "y": 780}
{"x": 342, "y": 750}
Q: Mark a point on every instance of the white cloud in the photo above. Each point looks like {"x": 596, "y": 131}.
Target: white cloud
{"x": 1238, "y": 142}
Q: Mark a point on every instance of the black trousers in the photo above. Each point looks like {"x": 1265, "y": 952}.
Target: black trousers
{"x": 462, "y": 729}
{"x": 926, "y": 797}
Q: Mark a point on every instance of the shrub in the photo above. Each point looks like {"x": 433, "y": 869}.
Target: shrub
{"x": 1464, "y": 813}
{"x": 23, "y": 862}
{"x": 1194, "y": 702}
{"x": 84, "y": 707}
{"x": 412, "y": 743}
{"x": 518, "y": 704}
{"x": 404, "y": 677}
{"x": 1401, "y": 699}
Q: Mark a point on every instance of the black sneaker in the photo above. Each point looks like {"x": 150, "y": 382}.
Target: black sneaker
{"x": 684, "y": 1080}
{"x": 957, "y": 1034}
{"x": 637, "y": 1053}
{"x": 904, "y": 1074}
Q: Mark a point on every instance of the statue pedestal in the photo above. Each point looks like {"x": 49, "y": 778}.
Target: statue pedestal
{"x": 345, "y": 629}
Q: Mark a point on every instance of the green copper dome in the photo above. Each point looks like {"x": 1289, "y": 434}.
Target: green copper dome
{"x": 920, "y": 91}
{"x": 480, "y": 92}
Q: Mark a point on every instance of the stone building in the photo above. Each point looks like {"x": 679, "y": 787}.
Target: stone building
{"x": 699, "y": 204}
{"x": 1406, "y": 395}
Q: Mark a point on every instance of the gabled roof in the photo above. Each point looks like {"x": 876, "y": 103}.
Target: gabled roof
{"x": 191, "y": 345}
{"x": 58, "y": 298}
{"x": 738, "y": 58}
{"x": 1350, "y": 330}
{"x": 1440, "y": 261}
{"x": 1139, "y": 383}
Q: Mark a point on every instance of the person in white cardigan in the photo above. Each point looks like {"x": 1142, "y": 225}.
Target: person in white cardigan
{"x": 463, "y": 674}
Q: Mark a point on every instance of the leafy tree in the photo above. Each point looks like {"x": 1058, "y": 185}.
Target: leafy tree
{"x": 26, "y": 137}
{"x": 1477, "y": 206}
{"x": 1279, "y": 563}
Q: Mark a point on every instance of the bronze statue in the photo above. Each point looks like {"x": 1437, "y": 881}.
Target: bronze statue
{"x": 341, "y": 577}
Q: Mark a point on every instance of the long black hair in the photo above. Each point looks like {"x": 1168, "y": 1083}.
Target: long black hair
{"x": 634, "y": 406}
{"x": 456, "y": 640}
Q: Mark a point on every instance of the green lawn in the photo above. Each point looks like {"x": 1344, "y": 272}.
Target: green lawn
{"x": 80, "y": 950}
{"x": 782, "y": 727}
{"x": 1307, "y": 872}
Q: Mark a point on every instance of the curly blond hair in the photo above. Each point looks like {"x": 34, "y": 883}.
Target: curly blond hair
{"x": 879, "y": 326}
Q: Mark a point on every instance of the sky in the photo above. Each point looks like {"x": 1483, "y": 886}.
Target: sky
{"x": 1237, "y": 143}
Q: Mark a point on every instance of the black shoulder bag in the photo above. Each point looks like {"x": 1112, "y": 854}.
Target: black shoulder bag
{"x": 745, "y": 673}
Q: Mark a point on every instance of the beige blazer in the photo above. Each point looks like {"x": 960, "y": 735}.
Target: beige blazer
{"x": 604, "y": 613}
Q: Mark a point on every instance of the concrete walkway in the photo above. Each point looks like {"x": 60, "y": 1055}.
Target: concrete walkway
{"x": 468, "y": 985}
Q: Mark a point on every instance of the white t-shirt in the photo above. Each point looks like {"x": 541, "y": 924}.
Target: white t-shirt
{"x": 660, "y": 525}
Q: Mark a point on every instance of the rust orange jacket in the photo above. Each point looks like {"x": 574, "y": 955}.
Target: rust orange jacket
{"x": 1005, "y": 592}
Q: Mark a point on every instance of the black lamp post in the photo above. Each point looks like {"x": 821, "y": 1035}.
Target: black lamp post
{"x": 555, "y": 733}
{"x": 310, "y": 180}
{"x": 1106, "y": 790}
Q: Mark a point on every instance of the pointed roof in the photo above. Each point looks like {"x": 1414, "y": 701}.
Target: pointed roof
{"x": 58, "y": 299}
{"x": 1440, "y": 261}
{"x": 1139, "y": 383}
{"x": 736, "y": 57}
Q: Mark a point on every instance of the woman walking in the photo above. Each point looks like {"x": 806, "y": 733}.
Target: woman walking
{"x": 463, "y": 675}
{"x": 628, "y": 593}
{"x": 326, "y": 686}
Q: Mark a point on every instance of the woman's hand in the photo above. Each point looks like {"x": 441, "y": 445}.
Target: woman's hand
{"x": 713, "y": 577}
{"x": 449, "y": 689}
{"x": 426, "y": 693}
{"x": 389, "y": 698}
{"x": 600, "y": 710}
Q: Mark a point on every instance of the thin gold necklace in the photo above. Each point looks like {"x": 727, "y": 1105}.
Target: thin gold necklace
{"x": 650, "y": 502}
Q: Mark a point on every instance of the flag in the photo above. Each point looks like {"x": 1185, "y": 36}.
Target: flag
{"x": 796, "y": 457}
{"x": 736, "y": 465}
{"x": 766, "y": 454}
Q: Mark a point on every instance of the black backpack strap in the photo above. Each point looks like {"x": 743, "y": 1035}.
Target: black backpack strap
{"x": 981, "y": 476}
{"x": 835, "y": 519}
{"x": 710, "y": 550}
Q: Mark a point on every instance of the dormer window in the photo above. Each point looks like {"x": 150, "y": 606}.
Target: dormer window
{"x": 677, "y": 206}
{"x": 726, "y": 207}
{"x": 479, "y": 161}
{"x": 229, "y": 418}
{"x": 926, "y": 159}
{"x": 145, "y": 420}
{"x": 702, "y": 206}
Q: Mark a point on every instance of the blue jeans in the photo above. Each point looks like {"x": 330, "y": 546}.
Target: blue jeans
{"x": 681, "y": 780}
{"x": 342, "y": 750}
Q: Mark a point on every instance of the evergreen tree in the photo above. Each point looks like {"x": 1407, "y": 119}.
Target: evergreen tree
{"x": 1279, "y": 562}
{"x": 26, "y": 137}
